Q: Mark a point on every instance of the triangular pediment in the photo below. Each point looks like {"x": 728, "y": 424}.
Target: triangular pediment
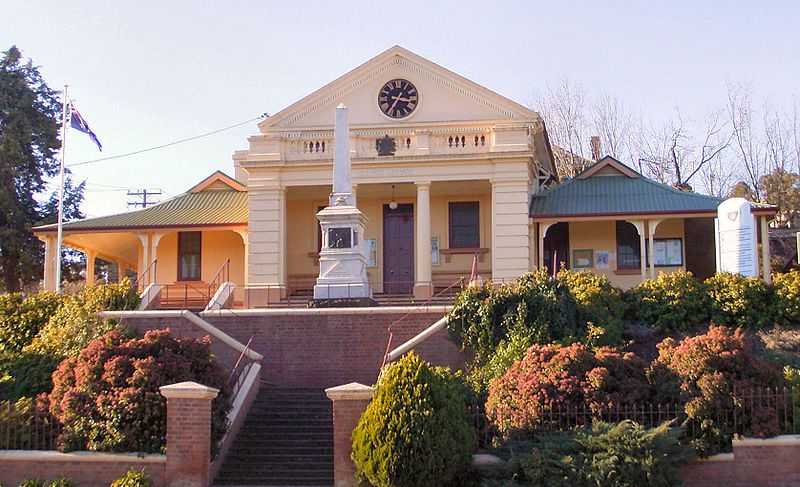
{"x": 608, "y": 166}
{"x": 219, "y": 181}
{"x": 444, "y": 97}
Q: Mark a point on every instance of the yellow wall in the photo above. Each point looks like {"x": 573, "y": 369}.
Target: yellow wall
{"x": 302, "y": 235}
{"x": 600, "y": 236}
{"x": 217, "y": 245}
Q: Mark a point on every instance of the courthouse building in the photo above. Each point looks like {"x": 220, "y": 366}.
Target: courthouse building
{"x": 445, "y": 171}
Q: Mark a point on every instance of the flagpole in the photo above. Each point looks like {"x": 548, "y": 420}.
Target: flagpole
{"x": 61, "y": 187}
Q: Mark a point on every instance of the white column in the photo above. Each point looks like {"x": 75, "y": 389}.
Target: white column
{"x": 243, "y": 233}
{"x": 652, "y": 225}
{"x": 423, "y": 287}
{"x": 120, "y": 271}
{"x": 90, "y": 259}
{"x": 49, "y": 263}
{"x": 154, "y": 239}
{"x": 144, "y": 238}
{"x": 510, "y": 238}
{"x": 266, "y": 244}
{"x": 641, "y": 228}
{"x": 766, "y": 267}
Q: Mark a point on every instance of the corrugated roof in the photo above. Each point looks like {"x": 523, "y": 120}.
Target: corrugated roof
{"x": 596, "y": 195}
{"x": 186, "y": 210}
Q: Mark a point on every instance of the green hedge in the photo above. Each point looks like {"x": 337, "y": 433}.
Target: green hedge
{"x": 415, "y": 431}
{"x": 736, "y": 300}
{"x": 673, "y": 301}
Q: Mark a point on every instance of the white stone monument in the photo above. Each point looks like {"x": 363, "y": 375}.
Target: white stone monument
{"x": 737, "y": 251}
{"x": 342, "y": 264}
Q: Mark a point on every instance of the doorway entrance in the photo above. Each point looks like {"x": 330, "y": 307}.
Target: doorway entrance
{"x": 398, "y": 249}
{"x": 556, "y": 247}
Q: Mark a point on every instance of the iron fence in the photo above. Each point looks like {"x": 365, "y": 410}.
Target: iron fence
{"x": 750, "y": 412}
{"x": 28, "y": 426}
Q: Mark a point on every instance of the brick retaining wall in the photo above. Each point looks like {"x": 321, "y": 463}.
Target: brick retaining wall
{"x": 88, "y": 469}
{"x": 772, "y": 462}
{"x": 318, "y": 348}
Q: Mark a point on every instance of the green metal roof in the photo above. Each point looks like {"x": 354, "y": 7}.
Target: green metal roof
{"x": 619, "y": 194}
{"x": 189, "y": 209}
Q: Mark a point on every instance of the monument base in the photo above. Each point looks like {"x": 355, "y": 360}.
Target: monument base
{"x": 342, "y": 303}
{"x": 342, "y": 290}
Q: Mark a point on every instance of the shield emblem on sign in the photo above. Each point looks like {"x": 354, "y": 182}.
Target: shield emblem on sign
{"x": 732, "y": 215}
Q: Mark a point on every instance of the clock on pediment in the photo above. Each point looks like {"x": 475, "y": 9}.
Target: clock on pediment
{"x": 398, "y": 98}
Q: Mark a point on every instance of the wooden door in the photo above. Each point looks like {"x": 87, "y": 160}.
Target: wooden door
{"x": 398, "y": 249}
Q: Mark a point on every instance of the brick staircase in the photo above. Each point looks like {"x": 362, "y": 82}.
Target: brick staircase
{"x": 286, "y": 440}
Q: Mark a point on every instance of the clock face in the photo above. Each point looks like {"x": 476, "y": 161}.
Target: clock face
{"x": 398, "y": 98}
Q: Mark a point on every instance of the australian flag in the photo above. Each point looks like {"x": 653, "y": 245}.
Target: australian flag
{"x": 77, "y": 122}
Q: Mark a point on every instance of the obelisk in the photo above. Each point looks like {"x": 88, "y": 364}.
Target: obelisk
{"x": 342, "y": 277}
{"x": 342, "y": 188}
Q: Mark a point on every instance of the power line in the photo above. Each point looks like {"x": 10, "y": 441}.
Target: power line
{"x": 264, "y": 115}
{"x": 144, "y": 193}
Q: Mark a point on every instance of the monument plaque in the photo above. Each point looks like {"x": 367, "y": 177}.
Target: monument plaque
{"x": 736, "y": 238}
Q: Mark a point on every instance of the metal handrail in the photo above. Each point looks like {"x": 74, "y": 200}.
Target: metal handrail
{"x": 141, "y": 278}
{"x": 399, "y": 320}
{"x": 223, "y": 275}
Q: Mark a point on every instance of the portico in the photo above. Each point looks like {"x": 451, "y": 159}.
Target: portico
{"x": 445, "y": 183}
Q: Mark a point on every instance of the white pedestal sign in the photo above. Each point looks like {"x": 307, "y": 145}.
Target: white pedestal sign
{"x": 737, "y": 250}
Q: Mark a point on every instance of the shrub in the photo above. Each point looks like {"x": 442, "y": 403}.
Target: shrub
{"x": 736, "y": 300}
{"x": 673, "y": 301}
{"x": 108, "y": 396}
{"x": 598, "y": 303}
{"x": 75, "y": 323}
{"x": 415, "y": 430}
{"x": 702, "y": 372}
{"x": 555, "y": 378}
{"x": 25, "y": 374}
{"x": 536, "y": 304}
{"x": 787, "y": 297}
{"x": 133, "y": 479}
{"x": 32, "y": 482}
{"x": 21, "y": 317}
{"x": 61, "y": 481}
{"x": 623, "y": 454}
{"x": 29, "y": 422}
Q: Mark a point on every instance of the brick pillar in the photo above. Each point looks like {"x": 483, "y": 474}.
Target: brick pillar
{"x": 349, "y": 403}
{"x": 188, "y": 433}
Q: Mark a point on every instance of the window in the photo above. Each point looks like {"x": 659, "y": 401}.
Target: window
{"x": 628, "y": 250}
{"x": 464, "y": 225}
{"x": 189, "y": 244}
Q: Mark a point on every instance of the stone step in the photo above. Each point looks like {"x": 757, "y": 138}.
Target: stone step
{"x": 286, "y": 440}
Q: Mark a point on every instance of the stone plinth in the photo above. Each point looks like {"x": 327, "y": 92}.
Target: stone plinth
{"x": 349, "y": 403}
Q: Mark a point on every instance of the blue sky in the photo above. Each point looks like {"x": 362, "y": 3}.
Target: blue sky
{"x": 149, "y": 72}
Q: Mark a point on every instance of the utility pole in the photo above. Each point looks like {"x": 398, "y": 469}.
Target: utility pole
{"x": 143, "y": 194}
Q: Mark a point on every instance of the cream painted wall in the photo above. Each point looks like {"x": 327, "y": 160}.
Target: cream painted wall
{"x": 217, "y": 245}
{"x": 601, "y": 236}
{"x": 302, "y": 235}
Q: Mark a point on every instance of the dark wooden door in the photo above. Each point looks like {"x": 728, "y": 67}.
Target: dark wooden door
{"x": 398, "y": 249}
{"x": 556, "y": 247}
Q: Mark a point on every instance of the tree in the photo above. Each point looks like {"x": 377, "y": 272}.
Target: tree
{"x": 29, "y": 125}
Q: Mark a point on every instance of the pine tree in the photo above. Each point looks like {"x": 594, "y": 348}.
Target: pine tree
{"x": 29, "y": 126}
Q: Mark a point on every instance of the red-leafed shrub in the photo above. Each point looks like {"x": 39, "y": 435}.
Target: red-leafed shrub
{"x": 108, "y": 396}
{"x": 553, "y": 378}
{"x": 703, "y": 372}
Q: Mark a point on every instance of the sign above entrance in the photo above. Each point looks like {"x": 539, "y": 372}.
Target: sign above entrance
{"x": 379, "y": 173}
{"x": 736, "y": 238}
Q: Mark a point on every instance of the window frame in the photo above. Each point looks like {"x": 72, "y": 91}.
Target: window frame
{"x": 475, "y": 227}
{"x": 182, "y": 252}
{"x": 636, "y": 247}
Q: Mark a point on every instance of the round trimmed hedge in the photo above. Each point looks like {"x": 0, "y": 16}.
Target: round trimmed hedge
{"x": 415, "y": 431}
